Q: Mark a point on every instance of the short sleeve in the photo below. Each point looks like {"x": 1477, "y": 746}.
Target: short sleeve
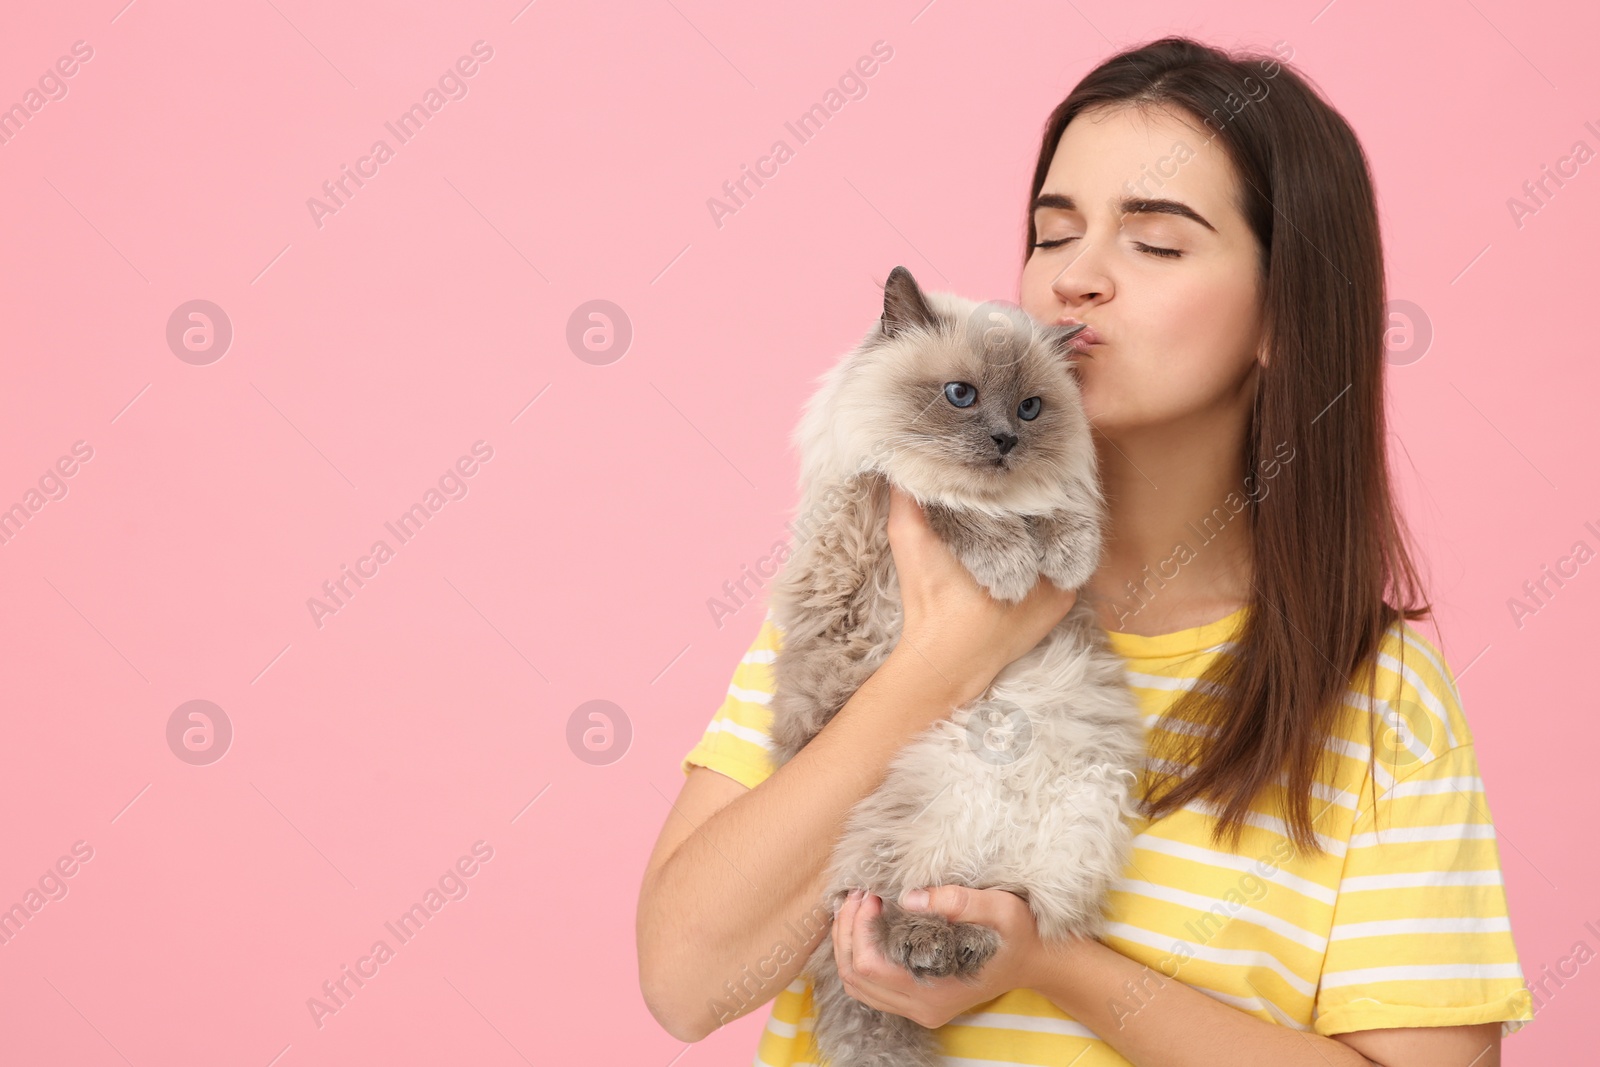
{"x": 1421, "y": 933}
{"x": 738, "y": 740}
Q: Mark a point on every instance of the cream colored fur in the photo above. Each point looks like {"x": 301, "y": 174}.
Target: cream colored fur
{"x": 1029, "y": 787}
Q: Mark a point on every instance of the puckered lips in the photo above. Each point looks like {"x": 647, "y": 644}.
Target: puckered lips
{"x": 1082, "y": 342}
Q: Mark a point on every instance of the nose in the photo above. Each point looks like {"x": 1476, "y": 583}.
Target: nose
{"x": 1083, "y": 282}
{"x": 1004, "y": 441}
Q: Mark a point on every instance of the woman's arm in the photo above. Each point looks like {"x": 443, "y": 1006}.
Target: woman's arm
{"x": 733, "y": 892}
{"x": 1156, "y": 1021}
{"x": 1151, "y": 1019}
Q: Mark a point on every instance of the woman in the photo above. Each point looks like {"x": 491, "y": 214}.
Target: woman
{"x": 1315, "y": 879}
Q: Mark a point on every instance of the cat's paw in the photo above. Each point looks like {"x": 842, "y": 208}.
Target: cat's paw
{"x": 931, "y": 946}
{"x": 1006, "y": 579}
{"x": 1068, "y": 547}
{"x": 997, "y": 550}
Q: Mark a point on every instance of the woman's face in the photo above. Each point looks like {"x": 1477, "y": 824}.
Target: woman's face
{"x": 1179, "y": 332}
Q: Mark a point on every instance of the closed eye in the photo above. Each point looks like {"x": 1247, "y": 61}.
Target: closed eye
{"x": 1171, "y": 253}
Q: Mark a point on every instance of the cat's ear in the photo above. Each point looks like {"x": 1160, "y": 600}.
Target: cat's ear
{"x": 904, "y": 306}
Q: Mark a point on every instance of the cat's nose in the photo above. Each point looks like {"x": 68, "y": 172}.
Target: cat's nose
{"x": 1004, "y": 441}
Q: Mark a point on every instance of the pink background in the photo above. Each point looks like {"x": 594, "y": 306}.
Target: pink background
{"x": 433, "y": 710}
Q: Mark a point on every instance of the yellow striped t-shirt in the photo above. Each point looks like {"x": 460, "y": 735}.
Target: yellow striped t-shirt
{"x": 1403, "y": 922}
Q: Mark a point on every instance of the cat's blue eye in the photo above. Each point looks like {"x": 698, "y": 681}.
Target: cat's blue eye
{"x": 1028, "y": 410}
{"x": 960, "y": 394}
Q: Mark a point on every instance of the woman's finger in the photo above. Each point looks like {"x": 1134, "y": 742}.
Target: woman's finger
{"x": 865, "y": 955}
{"x": 843, "y": 930}
{"x": 877, "y": 982}
{"x": 865, "y": 971}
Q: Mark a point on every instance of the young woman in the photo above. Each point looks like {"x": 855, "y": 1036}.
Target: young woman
{"x": 1315, "y": 879}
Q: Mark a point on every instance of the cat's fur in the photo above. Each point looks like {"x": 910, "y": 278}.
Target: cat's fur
{"x": 1027, "y": 787}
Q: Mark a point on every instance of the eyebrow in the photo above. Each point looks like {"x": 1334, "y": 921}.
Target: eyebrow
{"x": 1131, "y": 205}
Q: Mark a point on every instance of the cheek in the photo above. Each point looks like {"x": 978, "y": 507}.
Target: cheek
{"x": 1202, "y": 333}
{"x": 1194, "y": 305}
{"x": 1167, "y": 376}
{"x": 1156, "y": 378}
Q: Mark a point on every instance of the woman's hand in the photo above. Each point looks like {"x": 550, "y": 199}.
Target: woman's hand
{"x": 952, "y": 624}
{"x": 878, "y": 983}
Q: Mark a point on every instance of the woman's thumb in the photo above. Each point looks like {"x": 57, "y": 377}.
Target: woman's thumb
{"x": 949, "y": 901}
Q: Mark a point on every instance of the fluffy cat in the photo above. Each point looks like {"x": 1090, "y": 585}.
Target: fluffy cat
{"x": 974, "y": 410}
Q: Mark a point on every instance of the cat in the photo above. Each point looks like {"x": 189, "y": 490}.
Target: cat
{"x": 973, "y": 409}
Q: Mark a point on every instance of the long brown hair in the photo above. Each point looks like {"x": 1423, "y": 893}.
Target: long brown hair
{"x": 1330, "y": 550}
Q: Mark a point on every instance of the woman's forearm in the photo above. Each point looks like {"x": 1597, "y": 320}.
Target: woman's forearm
{"x": 1156, "y": 1021}
{"x": 731, "y": 917}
